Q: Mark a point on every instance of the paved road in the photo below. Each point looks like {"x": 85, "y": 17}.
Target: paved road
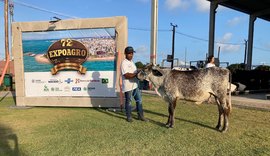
{"x": 257, "y": 101}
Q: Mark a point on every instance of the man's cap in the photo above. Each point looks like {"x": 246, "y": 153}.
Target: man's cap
{"x": 129, "y": 49}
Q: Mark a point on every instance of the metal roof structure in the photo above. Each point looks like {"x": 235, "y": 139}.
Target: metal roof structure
{"x": 255, "y": 9}
{"x": 259, "y": 8}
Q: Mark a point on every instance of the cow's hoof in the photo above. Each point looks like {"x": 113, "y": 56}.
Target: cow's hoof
{"x": 224, "y": 130}
{"x": 218, "y": 127}
{"x": 169, "y": 126}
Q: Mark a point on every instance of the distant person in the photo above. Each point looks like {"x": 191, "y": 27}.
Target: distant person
{"x": 210, "y": 62}
{"x": 130, "y": 85}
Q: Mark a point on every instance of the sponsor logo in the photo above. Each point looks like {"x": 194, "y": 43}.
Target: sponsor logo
{"x": 67, "y": 89}
{"x": 94, "y": 80}
{"x": 37, "y": 81}
{"x": 55, "y": 81}
{"x": 68, "y": 81}
{"x": 81, "y": 80}
{"x": 77, "y": 81}
{"x": 91, "y": 88}
{"x": 104, "y": 80}
{"x": 45, "y": 88}
{"x": 76, "y": 88}
{"x": 67, "y": 54}
{"x": 56, "y": 89}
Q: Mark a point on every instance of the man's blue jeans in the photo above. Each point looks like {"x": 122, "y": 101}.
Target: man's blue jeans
{"x": 136, "y": 94}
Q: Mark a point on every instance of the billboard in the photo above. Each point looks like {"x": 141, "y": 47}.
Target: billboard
{"x": 57, "y": 63}
{"x": 70, "y": 63}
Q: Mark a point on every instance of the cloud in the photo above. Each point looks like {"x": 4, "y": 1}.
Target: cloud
{"x": 227, "y": 37}
{"x": 144, "y": 1}
{"x": 267, "y": 45}
{"x": 235, "y": 21}
{"x": 141, "y": 49}
{"x": 202, "y": 5}
{"x": 142, "y": 54}
{"x": 227, "y": 47}
{"x": 176, "y": 4}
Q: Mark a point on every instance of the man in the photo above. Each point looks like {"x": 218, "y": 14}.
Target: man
{"x": 130, "y": 85}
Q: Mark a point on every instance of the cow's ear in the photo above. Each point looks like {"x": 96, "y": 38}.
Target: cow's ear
{"x": 156, "y": 72}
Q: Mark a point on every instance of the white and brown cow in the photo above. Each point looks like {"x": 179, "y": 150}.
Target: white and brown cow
{"x": 193, "y": 85}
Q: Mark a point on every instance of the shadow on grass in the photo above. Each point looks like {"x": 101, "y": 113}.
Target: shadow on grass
{"x": 116, "y": 114}
{"x": 8, "y": 142}
{"x": 177, "y": 118}
{"x": 4, "y": 97}
{"x": 121, "y": 115}
{"x": 6, "y": 94}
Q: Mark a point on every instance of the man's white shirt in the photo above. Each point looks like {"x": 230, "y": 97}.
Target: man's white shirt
{"x": 128, "y": 67}
{"x": 208, "y": 65}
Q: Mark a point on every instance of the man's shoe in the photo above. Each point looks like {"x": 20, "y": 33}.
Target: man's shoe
{"x": 143, "y": 119}
{"x": 129, "y": 120}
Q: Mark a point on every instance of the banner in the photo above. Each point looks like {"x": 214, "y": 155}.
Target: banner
{"x": 68, "y": 83}
{"x": 70, "y": 63}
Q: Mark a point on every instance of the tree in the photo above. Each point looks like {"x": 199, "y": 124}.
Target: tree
{"x": 139, "y": 65}
{"x": 235, "y": 67}
{"x": 263, "y": 68}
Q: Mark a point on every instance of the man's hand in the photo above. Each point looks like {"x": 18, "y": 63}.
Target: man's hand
{"x": 130, "y": 75}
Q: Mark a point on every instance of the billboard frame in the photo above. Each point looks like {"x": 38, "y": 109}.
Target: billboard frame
{"x": 120, "y": 25}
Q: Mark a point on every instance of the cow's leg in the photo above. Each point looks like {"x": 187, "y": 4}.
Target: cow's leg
{"x": 173, "y": 112}
{"x": 169, "y": 117}
{"x": 226, "y": 123}
{"x": 171, "y": 108}
{"x": 220, "y": 114}
{"x": 169, "y": 123}
{"x": 225, "y": 114}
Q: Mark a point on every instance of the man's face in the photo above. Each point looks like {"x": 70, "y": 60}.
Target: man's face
{"x": 129, "y": 56}
{"x": 212, "y": 60}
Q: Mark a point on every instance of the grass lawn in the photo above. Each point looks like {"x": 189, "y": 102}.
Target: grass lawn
{"x": 95, "y": 131}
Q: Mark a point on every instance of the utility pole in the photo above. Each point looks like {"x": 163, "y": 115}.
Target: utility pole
{"x": 6, "y": 69}
{"x": 245, "y": 57}
{"x": 154, "y": 25}
{"x": 11, "y": 20}
{"x": 6, "y": 30}
{"x": 11, "y": 11}
{"x": 173, "y": 37}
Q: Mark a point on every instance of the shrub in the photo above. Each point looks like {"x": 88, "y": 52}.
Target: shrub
{"x": 235, "y": 67}
{"x": 263, "y": 68}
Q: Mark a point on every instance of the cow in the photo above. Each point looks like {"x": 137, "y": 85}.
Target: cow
{"x": 193, "y": 85}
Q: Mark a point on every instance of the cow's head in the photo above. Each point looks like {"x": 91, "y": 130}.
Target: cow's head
{"x": 149, "y": 69}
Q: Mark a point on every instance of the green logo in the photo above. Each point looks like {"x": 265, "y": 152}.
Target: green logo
{"x": 104, "y": 80}
{"x": 46, "y": 89}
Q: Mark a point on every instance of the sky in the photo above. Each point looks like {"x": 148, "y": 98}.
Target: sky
{"x": 60, "y": 34}
{"x": 190, "y": 16}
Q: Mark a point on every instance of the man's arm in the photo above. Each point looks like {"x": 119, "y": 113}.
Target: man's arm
{"x": 130, "y": 75}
